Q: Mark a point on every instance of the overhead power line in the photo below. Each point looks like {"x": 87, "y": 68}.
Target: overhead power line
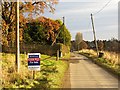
{"x": 57, "y": 34}
{"x": 102, "y": 8}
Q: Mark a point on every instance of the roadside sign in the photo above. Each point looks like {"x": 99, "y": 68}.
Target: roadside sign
{"x": 34, "y": 61}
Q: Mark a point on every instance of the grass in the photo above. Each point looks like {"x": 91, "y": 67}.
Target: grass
{"x": 67, "y": 56}
{"x": 109, "y": 60}
{"x": 50, "y": 75}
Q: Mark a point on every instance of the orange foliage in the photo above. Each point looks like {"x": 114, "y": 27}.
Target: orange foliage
{"x": 50, "y": 26}
{"x": 8, "y": 16}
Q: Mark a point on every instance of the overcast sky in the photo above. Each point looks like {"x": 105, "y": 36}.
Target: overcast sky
{"x": 77, "y": 17}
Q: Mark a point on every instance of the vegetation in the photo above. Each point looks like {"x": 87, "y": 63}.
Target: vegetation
{"x": 78, "y": 39}
{"x": 64, "y": 35}
{"x": 50, "y": 75}
{"x": 9, "y": 17}
{"x": 111, "y": 45}
{"x": 100, "y": 45}
{"x": 46, "y": 31}
{"x": 42, "y": 30}
{"x": 81, "y": 45}
{"x": 109, "y": 60}
{"x": 35, "y": 33}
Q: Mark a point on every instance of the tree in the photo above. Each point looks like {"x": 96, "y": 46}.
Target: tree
{"x": 114, "y": 45}
{"x": 78, "y": 39}
{"x": 111, "y": 45}
{"x": 8, "y": 23}
{"x": 100, "y": 45}
{"x": 45, "y": 31}
{"x": 83, "y": 45}
{"x": 73, "y": 45}
{"x": 64, "y": 35}
{"x": 8, "y": 16}
{"x": 42, "y": 30}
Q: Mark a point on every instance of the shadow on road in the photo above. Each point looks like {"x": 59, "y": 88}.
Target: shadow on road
{"x": 74, "y": 61}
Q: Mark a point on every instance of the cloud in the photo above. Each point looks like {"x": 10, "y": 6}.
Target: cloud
{"x": 82, "y": 1}
{"x": 76, "y": 8}
{"x": 77, "y": 17}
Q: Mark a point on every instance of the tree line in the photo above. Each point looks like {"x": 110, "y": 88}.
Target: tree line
{"x": 106, "y": 45}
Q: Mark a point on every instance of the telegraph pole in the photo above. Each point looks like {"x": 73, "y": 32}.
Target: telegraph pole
{"x": 17, "y": 62}
{"x": 94, "y": 35}
{"x": 64, "y": 28}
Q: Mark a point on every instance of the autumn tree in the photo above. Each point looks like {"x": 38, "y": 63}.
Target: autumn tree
{"x": 8, "y": 16}
{"x": 100, "y": 45}
{"x": 47, "y": 31}
{"x": 42, "y": 30}
{"x": 8, "y": 23}
{"x": 83, "y": 45}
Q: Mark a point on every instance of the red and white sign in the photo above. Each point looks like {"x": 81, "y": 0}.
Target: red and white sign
{"x": 34, "y": 61}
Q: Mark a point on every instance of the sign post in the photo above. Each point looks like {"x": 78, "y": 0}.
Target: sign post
{"x": 34, "y": 62}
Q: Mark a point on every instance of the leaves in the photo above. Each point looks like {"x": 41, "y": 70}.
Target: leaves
{"x": 9, "y": 16}
{"x": 42, "y": 30}
{"x": 64, "y": 35}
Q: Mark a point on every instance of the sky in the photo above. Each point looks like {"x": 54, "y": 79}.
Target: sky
{"x": 78, "y": 19}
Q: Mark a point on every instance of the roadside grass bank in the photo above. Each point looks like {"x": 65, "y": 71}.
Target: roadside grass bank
{"x": 109, "y": 61}
{"x": 50, "y": 76}
{"x": 66, "y": 57}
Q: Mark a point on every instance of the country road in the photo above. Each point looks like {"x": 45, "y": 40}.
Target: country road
{"x": 83, "y": 73}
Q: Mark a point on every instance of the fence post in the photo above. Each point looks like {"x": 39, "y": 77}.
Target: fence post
{"x": 57, "y": 58}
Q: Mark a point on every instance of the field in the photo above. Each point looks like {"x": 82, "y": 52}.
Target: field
{"x": 50, "y": 75}
{"x": 109, "y": 60}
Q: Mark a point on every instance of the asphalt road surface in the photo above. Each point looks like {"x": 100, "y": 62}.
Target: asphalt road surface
{"x": 83, "y": 73}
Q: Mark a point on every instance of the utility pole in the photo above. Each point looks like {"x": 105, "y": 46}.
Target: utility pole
{"x": 64, "y": 29}
{"x": 17, "y": 62}
{"x": 94, "y": 35}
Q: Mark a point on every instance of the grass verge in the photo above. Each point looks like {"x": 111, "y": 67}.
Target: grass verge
{"x": 103, "y": 62}
{"x": 50, "y": 75}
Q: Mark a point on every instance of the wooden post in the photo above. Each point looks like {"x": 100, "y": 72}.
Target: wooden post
{"x": 33, "y": 74}
{"x": 17, "y": 63}
{"x": 94, "y": 35}
{"x": 64, "y": 29}
{"x": 57, "y": 58}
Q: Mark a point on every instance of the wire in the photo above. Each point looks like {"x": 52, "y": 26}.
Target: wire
{"x": 102, "y": 7}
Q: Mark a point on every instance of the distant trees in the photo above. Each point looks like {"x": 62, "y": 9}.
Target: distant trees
{"x": 100, "y": 45}
{"x": 112, "y": 45}
{"x": 83, "y": 45}
{"x": 78, "y": 39}
{"x": 78, "y": 43}
{"x": 107, "y": 45}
